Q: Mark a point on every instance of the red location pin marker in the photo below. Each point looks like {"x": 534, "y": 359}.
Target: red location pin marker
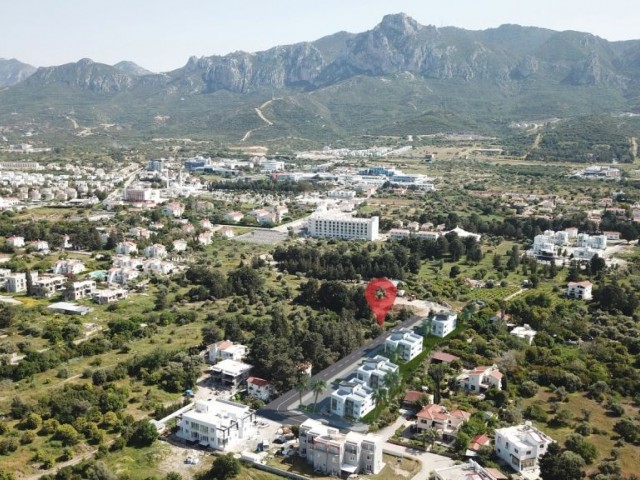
{"x": 380, "y": 295}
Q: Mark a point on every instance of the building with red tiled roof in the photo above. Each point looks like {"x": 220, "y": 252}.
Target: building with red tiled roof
{"x": 446, "y": 423}
{"x": 443, "y": 357}
{"x": 481, "y": 378}
{"x": 259, "y": 388}
{"x": 478, "y": 442}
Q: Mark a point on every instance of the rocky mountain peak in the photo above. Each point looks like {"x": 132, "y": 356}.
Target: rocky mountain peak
{"x": 399, "y": 24}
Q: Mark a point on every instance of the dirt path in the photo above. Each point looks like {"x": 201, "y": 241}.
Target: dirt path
{"x": 634, "y": 147}
{"x": 68, "y": 463}
{"x": 258, "y": 111}
{"x": 514, "y": 294}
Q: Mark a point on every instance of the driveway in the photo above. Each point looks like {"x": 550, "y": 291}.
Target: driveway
{"x": 429, "y": 461}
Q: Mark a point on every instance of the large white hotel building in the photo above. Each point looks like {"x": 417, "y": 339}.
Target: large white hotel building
{"x": 339, "y": 225}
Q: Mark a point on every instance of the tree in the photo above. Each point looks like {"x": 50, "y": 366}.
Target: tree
{"x": 317, "y": 386}
{"x": 454, "y": 272}
{"x": 392, "y": 381}
{"x": 224, "y": 467}
{"x": 67, "y": 435}
{"x": 300, "y": 387}
{"x": 462, "y": 442}
{"x": 559, "y": 465}
{"x": 597, "y": 264}
{"x": 437, "y": 372}
{"x": 578, "y": 444}
{"x": 379, "y": 395}
{"x": 144, "y": 434}
{"x": 428, "y": 435}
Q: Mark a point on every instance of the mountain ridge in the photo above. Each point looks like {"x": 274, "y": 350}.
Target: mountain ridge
{"x": 399, "y": 73}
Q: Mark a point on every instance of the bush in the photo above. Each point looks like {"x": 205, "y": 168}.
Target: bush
{"x": 27, "y": 437}
{"x": 528, "y": 389}
{"x": 67, "y": 435}
{"x": 8, "y": 445}
{"x": 144, "y": 434}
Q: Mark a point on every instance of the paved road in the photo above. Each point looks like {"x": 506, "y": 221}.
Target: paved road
{"x": 278, "y": 409}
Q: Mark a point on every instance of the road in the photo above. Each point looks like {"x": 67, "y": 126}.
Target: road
{"x": 278, "y": 409}
{"x": 113, "y": 195}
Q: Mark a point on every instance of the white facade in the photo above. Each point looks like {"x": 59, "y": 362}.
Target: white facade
{"x": 521, "y": 446}
{"x": 352, "y": 399}
{"x": 259, "y": 388}
{"x": 230, "y": 374}
{"x": 374, "y": 370}
{"x": 337, "y": 225}
{"x": 234, "y": 217}
{"x": 126, "y": 248}
{"x": 79, "y": 290}
{"x": 122, "y": 276}
{"x": 16, "y": 242}
{"x": 16, "y": 283}
{"x": 226, "y": 350}
{"x": 68, "y": 267}
{"x": 481, "y": 378}
{"x": 442, "y": 324}
{"x": 217, "y": 424}
{"x": 155, "y": 251}
{"x": 407, "y": 344}
{"x": 597, "y": 242}
{"x": 179, "y": 245}
{"x": 173, "y": 209}
{"x": 524, "y": 332}
{"x": 580, "y": 290}
{"x": 336, "y": 454}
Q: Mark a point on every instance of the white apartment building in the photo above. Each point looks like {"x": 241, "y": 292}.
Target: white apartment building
{"x": 407, "y": 344}
{"x": 352, "y": 399}
{"x": 272, "y": 166}
{"x": 217, "y": 424}
{"x": 230, "y": 374}
{"x": 226, "y": 350}
{"x": 580, "y": 290}
{"x": 597, "y": 242}
{"x": 442, "y": 324}
{"x": 46, "y": 287}
{"x": 173, "y": 209}
{"x": 468, "y": 471}
{"x": 521, "y": 446}
{"x": 399, "y": 233}
{"x": 102, "y": 297}
{"x": 348, "y": 194}
{"x": 338, "y": 225}
{"x": 79, "y": 290}
{"x": 17, "y": 282}
{"x": 336, "y": 454}
{"x": 122, "y": 276}
{"x": 372, "y": 371}
{"x": 140, "y": 194}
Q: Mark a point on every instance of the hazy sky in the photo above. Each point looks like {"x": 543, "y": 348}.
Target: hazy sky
{"x": 162, "y": 34}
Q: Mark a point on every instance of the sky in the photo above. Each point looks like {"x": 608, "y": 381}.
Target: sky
{"x": 161, "y": 35}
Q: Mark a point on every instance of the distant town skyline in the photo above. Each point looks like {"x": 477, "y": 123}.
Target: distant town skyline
{"x": 161, "y": 35}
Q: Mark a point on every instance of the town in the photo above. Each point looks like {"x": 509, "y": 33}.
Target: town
{"x": 189, "y": 305}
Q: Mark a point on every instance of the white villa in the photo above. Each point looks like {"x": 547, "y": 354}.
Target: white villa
{"x": 521, "y": 446}
{"x": 226, "y": 350}
{"x": 155, "y": 251}
{"x": 481, "y": 378}
{"x": 580, "y": 290}
{"x": 259, "y": 388}
{"x": 79, "y": 290}
{"x": 126, "y": 248}
{"x": 15, "y": 242}
{"x": 336, "y": 454}
{"x": 217, "y": 424}
{"x": 524, "y": 332}
{"x": 405, "y": 342}
{"x": 68, "y": 267}
{"x": 352, "y": 399}
{"x": 230, "y": 374}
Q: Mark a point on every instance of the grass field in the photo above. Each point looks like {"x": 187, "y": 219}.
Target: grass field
{"x": 599, "y": 419}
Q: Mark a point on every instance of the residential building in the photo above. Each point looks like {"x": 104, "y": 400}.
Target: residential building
{"x": 443, "y": 357}
{"x": 425, "y": 235}
{"x": 126, "y": 248}
{"x": 205, "y": 238}
{"x": 69, "y": 308}
{"x": 352, "y": 399}
{"x": 179, "y": 245}
{"x": 173, "y": 209}
{"x": 234, "y": 217}
{"x": 102, "y": 297}
{"x": 80, "y": 290}
{"x": 125, "y": 261}
{"x": 612, "y": 235}
{"x": 230, "y": 374}
{"x": 443, "y": 323}
{"x": 597, "y": 242}
{"x": 17, "y": 282}
{"x": 345, "y": 194}
{"x": 39, "y": 245}
{"x": 155, "y": 251}
{"x": 272, "y": 166}
{"x": 140, "y": 232}
{"x": 481, "y": 378}
{"x": 226, "y": 350}
{"x": 405, "y": 343}
{"x": 479, "y": 442}
{"x": 47, "y": 287}
{"x": 68, "y": 267}
{"x": 206, "y": 224}
{"x": 372, "y": 371}
{"x": 156, "y": 165}
{"x": 338, "y": 225}
{"x": 227, "y": 232}
{"x": 141, "y": 194}
{"x": 524, "y": 332}
{"x": 259, "y": 388}
{"x": 15, "y": 242}
{"x": 445, "y": 423}
{"x": 580, "y": 290}
{"x": 218, "y": 424}
{"x": 468, "y": 471}
{"x": 521, "y": 446}
{"x": 336, "y": 454}
{"x": 155, "y": 266}
{"x": 399, "y": 234}
{"x": 122, "y": 276}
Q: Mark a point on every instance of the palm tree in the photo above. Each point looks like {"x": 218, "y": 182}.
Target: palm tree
{"x": 437, "y": 372}
{"x": 317, "y": 386}
{"x": 379, "y": 395}
{"x": 392, "y": 380}
{"x": 300, "y": 387}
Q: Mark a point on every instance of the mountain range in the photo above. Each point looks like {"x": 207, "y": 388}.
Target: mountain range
{"x": 398, "y": 78}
